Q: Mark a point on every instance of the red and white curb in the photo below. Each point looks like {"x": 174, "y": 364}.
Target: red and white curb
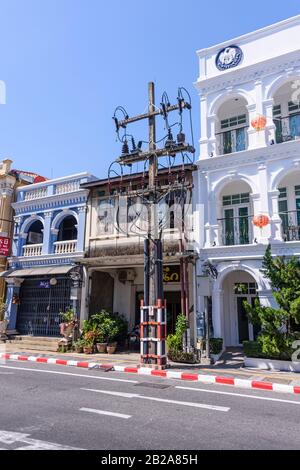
{"x": 169, "y": 374}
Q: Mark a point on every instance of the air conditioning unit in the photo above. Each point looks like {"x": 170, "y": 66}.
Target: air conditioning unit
{"x": 126, "y": 275}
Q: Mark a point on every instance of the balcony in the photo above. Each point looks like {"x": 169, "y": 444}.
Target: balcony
{"x": 65, "y": 247}
{"x": 290, "y": 226}
{"x": 287, "y": 128}
{"x": 232, "y": 141}
{"x": 236, "y": 230}
{"x": 35, "y": 194}
{"x": 32, "y": 250}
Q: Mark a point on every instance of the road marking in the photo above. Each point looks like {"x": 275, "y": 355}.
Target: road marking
{"x": 256, "y": 397}
{"x": 70, "y": 373}
{"x": 8, "y": 438}
{"x": 106, "y": 413}
{"x": 162, "y": 400}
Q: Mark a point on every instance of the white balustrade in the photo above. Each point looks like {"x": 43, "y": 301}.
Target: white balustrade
{"x": 67, "y": 187}
{"x": 35, "y": 194}
{"x": 61, "y": 248}
{"x": 32, "y": 250}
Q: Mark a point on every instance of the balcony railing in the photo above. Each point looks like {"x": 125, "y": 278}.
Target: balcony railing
{"x": 35, "y": 194}
{"x": 32, "y": 250}
{"x": 232, "y": 141}
{"x": 236, "y": 230}
{"x": 66, "y": 247}
{"x": 290, "y": 225}
{"x": 67, "y": 187}
{"x": 287, "y": 128}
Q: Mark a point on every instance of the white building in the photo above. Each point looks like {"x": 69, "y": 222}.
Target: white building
{"x": 245, "y": 172}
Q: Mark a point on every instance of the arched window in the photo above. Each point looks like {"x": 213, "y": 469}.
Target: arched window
{"x": 286, "y": 113}
{"x": 67, "y": 229}
{"x": 232, "y": 124}
{"x": 35, "y": 233}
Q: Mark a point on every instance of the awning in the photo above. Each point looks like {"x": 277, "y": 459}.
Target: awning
{"x": 42, "y": 271}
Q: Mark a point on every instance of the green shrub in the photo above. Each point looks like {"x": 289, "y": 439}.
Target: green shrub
{"x": 181, "y": 356}
{"x": 106, "y": 326}
{"x": 174, "y": 342}
{"x": 215, "y": 345}
{"x": 252, "y": 349}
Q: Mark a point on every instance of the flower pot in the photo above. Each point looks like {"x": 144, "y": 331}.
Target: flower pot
{"x": 79, "y": 349}
{"x": 88, "y": 349}
{"x": 111, "y": 348}
{"x": 101, "y": 347}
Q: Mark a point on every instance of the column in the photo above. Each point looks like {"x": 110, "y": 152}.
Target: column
{"x": 12, "y": 296}
{"x": 217, "y": 312}
{"x": 270, "y": 130}
{"x": 203, "y": 127}
{"x": 275, "y": 220}
{"x": 81, "y": 228}
{"x": 47, "y": 233}
{"x": 212, "y": 149}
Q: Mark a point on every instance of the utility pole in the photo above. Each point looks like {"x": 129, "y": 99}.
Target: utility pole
{"x": 153, "y": 308}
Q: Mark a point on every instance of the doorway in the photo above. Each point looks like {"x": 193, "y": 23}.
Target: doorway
{"x": 245, "y": 292}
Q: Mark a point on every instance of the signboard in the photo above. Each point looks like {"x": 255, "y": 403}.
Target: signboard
{"x": 171, "y": 274}
{"x": 4, "y": 246}
{"x": 44, "y": 284}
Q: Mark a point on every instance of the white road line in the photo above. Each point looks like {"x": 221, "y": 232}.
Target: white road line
{"x": 256, "y": 397}
{"x": 106, "y": 413}
{"x": 162, "y": 400}
{"x": 69, "y": 373}
{"x": 8, "y": 438}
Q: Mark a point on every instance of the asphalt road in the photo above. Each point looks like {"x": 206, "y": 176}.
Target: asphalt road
{"x": 55, "y": 407}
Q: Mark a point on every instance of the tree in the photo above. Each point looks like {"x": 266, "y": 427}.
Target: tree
{"x": 278, "y": 326}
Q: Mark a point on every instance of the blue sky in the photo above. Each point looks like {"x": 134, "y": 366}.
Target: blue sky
{"x": 68, "y": 63}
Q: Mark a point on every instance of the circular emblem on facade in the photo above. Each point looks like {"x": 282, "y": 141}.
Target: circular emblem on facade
{"x": 229, "y": 57}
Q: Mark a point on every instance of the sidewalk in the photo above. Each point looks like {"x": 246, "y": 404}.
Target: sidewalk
{"x": 229, "y": 370}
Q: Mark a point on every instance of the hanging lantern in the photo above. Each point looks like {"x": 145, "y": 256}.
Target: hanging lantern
{"x": 259, "y": 123}
{"x": 261, "y": 221}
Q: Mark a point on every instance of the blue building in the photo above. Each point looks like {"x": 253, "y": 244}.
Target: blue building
{"x": 43, "y": 279}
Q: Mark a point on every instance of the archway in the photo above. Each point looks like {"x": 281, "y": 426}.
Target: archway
{"x": 235, "y": 213}
{"x": 286, "y": 112}
{"x": 67, "y": 230}
{"x": 238, "y": 286}
{"x": 35, "y": 233}
{"x": 289, "y": 205}
{"x": 231, "y": 126}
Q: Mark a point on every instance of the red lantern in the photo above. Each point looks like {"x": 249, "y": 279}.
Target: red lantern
{"x": 261, "y": 221}
{"x": 259, "y": 123}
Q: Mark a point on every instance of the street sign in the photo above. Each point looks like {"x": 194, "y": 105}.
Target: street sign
{"x": 4, "y": 246}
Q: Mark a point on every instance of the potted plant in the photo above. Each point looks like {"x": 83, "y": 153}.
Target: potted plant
{"x": 101, "y": 344}
{"x": 89, "y": 342}
{"x": 79, "y": 345}
{"x": 111, "y": 337}
{"x": 69, "y": 323}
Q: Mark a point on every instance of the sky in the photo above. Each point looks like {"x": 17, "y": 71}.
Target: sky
{"x": 67, "y": 64}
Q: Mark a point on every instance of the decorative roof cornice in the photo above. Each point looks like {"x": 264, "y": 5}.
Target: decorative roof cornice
{"x": 259, "y": 156}
{"x": 52, "y": 202}
{"x": 248, "y": 73}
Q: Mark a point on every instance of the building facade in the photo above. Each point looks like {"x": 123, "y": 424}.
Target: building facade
{"x": 10, "y": 180}
{"x": 249, "y": 166}
{"x": 43, "y": 279}
{"x": 115, "y": 234}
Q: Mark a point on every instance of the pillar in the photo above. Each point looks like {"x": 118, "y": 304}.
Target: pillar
{"x": 217, "y": 312}
{"x": 81, "y": 228}
{"x": 13, "y": 290}
{"x": 46, "y": 249}
{"x": 275, "y": 220}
